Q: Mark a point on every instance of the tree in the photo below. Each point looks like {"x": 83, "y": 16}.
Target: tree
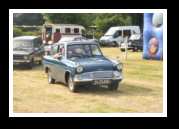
{"x": 137, "y": 19}
{"x": 65, "y": 18}
{"x": 105, "y": 21}
{"x": 28, "y": 19}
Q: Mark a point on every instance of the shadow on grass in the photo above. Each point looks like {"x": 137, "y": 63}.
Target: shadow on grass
{"x": 25, "y": 67}
{"x": 123, "y": 90}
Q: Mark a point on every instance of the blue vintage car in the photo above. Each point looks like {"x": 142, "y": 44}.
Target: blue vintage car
{"x": 79, "y": 63}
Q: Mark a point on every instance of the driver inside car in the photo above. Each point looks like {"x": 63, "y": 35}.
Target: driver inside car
{"x": 59, "y": 54}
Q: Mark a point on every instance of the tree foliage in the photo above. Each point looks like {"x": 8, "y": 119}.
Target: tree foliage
{"x": 103, "y": 21}
{"x": 28, "y": 19}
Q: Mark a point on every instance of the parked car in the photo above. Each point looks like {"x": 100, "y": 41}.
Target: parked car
{"x": 27, "y": 50}
{"x": 134, "y": 43}
{"x": 79, "y": 63}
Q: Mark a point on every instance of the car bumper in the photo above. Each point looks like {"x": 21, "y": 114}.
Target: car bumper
{"x": 92, "y": 83}
{"x": 16, "y": 62}
{"x": 97, "y": 81}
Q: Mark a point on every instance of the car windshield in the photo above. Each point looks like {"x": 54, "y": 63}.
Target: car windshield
{"x": 22, "y": 44}
{"x": 110, "y": 32}
{"x": 83, "y": 51}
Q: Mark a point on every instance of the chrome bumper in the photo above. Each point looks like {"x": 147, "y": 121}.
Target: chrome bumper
{"x": 89, "y": 78}
{"x": 20, "y": 61}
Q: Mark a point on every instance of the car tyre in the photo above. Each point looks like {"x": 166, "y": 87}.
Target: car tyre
{"x": 50, "y": 79}
{"x": 30, "y": 65}
{"x": 71, "y": 85}
{"x": 134, "y": 49}
{"x": 115, "y": 44}
{"x": 113, "y": 86}
{"x": 40, "y": 62}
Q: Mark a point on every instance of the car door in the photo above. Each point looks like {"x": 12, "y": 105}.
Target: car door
{"x": 53, "y": 61}
{"x": 59, "y": 65}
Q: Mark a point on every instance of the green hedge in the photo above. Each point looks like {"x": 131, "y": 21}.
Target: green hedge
{"x": 22, "y": 32}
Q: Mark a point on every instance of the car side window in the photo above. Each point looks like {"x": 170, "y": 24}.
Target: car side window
{"x": 37, "y": 43}
{"x": 54, "y": 50}
{"x": 59, "y": 51}
{"x": 95, "y": 50}
{"x": 118, "y": 33}
{"x": 62, "y": 49}
{"x": 40, "y": 41}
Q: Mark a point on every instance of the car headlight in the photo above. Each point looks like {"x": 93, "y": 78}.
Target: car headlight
{"x": 116, "y": 74}
{"x": 79, "y": 69}
{"x": 119, "y": 66}
{"x": 25, "y": 57}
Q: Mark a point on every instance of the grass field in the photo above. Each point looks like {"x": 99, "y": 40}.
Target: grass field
{"x": 140, "y": 91}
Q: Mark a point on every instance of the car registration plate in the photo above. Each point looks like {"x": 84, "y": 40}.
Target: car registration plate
{"x": 101, "y": 82}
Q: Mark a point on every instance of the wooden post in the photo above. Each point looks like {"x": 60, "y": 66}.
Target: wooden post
{"x": 126, "y": 47}
{"x": 126, "y": 51}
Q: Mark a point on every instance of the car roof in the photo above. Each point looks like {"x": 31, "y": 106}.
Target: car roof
{"x": 25, "y": 37}
{"x": 71, "y": 38}
{"x": 77, "y": 42}
{"x": 124, "y": 27}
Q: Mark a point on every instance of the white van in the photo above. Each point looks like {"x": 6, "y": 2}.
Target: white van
{"x": 117, "y": 35}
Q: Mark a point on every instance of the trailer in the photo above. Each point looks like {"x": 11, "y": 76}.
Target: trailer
{"x": 52, "y": 33}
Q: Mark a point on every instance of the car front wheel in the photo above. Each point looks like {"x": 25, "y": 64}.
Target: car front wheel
{"x": 113, "y": 86}
{"x": 71, "y": 85}
{"x": 40, "y": 62}
{"x": 50, "y": 79}
{"x": 115, "y": 44}
{"x": 30, "y": 65}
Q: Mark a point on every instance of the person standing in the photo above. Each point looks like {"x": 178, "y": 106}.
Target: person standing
{"x": 57, "y": 36}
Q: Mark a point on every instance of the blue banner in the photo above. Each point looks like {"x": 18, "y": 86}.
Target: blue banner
{"x": 153, "y": 36}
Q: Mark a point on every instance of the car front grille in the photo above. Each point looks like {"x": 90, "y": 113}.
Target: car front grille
{"x": 18, "y": 57}
{"x": 103, "y": 74}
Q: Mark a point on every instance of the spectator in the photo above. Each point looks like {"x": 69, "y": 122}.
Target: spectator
{"x": 57, "y": 36}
